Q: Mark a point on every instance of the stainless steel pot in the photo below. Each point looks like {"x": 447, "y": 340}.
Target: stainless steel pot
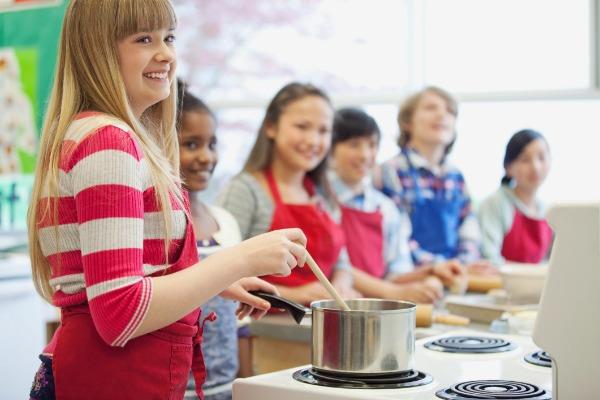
{"x": 375, "y": 337}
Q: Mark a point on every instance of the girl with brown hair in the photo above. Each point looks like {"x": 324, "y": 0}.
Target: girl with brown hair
{"x": 284, "y": 185}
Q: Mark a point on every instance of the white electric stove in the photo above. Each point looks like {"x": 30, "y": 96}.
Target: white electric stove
{"x": 568, "y": 326}
{"x": 441, "y": 368}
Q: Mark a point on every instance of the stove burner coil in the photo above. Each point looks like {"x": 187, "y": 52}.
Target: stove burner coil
{"x": 540, "y": 358}
{"x": 470, "y": 344}
{"x": 494, "y": 389}
{"x": 403, "y": 379}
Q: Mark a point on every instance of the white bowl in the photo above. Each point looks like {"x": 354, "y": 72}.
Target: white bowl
{"x": 522, "y": 322}
{"x": 524, "y": 282}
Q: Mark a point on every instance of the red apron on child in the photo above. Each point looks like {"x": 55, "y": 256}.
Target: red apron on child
{"x": 528, "y": 240}
{"x": 364, "y": 240}
{"x": 152, "y": 366}
{"x": 325, "y": 237}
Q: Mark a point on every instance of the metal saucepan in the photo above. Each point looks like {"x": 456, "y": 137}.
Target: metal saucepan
{"x": 375, "y": 337}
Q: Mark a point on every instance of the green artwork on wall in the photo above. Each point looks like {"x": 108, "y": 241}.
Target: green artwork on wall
{"x": 35, "y": 28}
{"x": 18, "y": 78}
{"x": 14, "y": 201}
{"x": 29, "y": 33}
{"x": 28, "y": 64}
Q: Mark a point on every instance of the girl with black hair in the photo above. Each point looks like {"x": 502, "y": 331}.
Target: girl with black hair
{"x": 377, "y": 233}
{"x": 215, "y": 229}
{"x": 512, "y": 219}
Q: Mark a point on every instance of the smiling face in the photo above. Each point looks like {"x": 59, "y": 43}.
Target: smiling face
{"x": 353, "y": 159}
{"x": 197, "y": 149}
{"x": 302, "y": 135}
{"x": 147, "y": 62}
{"x": 432, "y": 122}
{"x": 530, "y": 168}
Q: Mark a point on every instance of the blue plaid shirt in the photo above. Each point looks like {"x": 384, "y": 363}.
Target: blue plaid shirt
{"x": 394, "y": 179}
{"x": 396, "y": 225}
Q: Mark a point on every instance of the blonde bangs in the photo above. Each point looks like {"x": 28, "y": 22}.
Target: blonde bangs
{"x": 87, "y": 77}
{"x": 134, "y": 16}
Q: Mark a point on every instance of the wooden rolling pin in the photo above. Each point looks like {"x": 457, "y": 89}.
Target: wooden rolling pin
{"x": 426, "y": 317}
{"x": 484, "y": 283}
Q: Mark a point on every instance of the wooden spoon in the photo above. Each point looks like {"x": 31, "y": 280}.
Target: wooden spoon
{"x": 325, "y": 282}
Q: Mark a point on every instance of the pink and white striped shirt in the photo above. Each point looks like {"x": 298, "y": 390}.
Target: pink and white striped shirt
{"x": 110, "y": 228}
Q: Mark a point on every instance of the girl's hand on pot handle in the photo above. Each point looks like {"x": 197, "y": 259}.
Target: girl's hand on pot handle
{"x": 249, "y": 304}
{"x": 273, "y": 253}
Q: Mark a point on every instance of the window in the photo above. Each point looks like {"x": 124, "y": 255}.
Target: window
{"x": 241, "y": 51}
{"x": 509, "y": 45}
{"x": 484, "y": 128}
{"x": 570, "y": 128}
{"x": 238, "y": 54}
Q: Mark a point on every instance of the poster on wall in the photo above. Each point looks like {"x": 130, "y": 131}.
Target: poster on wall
{"x": 15, "y": 5}
{"x": 29, "y": 31}
{"x": 18, "y": 139}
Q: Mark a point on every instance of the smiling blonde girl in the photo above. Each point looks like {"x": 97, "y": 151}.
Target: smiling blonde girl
{"x": 110, "y": 236}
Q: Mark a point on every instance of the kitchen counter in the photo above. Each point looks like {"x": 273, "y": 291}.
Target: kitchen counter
{"x": 282, "y": 326}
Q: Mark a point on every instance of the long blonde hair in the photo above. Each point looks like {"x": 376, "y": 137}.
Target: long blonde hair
{"x": 88, "y": 78}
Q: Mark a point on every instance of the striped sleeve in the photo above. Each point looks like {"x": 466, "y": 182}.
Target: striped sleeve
{"x": 108, "y": 191}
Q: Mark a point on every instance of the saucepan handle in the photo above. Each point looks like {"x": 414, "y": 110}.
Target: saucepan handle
{"x": 297, "y": 311}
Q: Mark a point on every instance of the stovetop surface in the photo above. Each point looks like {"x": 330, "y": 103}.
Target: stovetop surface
{"x": 470, "y": 344}
{"x": 447, "y": 369}
{"x": 404, "y": 379}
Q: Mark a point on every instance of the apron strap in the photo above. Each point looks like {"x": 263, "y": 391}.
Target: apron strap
{"x": 273, "y": 186}
{"x": 309, "y": 185}
{"x": 413, "y": 175}
{"x": 198, "y": 367}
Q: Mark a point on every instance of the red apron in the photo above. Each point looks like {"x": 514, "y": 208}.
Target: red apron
{"x": 528, "y": 240}
{"x": 364, "y": 240}
{"x": 152, "y": 366}
{"x": 325, "y": 237}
